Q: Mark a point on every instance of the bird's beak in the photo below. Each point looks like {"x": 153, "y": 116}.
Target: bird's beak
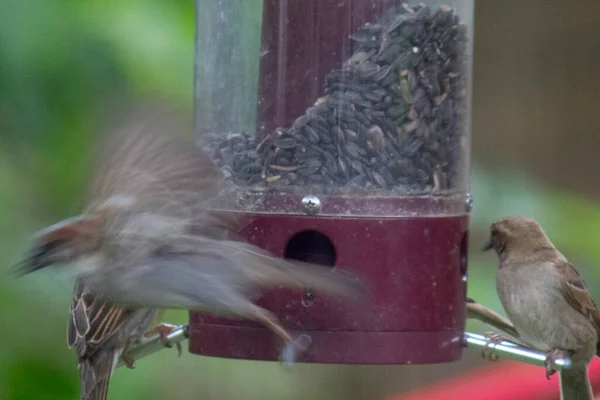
{"x": 49, "y": 239}
{"x": 488, "y": 245}
{"x": 34, "y": 259}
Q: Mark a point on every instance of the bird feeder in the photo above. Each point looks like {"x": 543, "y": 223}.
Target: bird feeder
{"x": 343, "y": 129}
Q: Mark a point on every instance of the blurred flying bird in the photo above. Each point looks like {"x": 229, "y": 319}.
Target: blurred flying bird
{"x": 149, "y": 240}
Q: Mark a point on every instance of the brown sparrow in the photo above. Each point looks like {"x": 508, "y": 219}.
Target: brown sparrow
{"x": 546, "y": 300}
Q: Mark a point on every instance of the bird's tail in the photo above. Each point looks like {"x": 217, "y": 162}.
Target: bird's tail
{"x": 273, "y": 271}
{"x": 575, "y": 385}
{"x": 95, "y": 377}
{"x": 492, "y": 319}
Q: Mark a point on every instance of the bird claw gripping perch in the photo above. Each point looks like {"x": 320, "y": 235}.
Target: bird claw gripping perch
{"x": 495, "y": 339}
{"x": 163, "y": 330}
{"x": 128, "y": 361}
{"x": 551, "y": 358}
{"x": 292, "y": 348}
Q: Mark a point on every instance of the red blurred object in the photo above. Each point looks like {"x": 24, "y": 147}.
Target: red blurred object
{"x": 303, "y": 40}
{"x": 500, "y": 381}
{"x": 414, "y": 266}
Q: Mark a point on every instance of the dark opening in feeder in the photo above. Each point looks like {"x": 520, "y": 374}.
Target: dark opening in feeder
{"x": 343, "y": 129}
{"x": 311, "y": 246}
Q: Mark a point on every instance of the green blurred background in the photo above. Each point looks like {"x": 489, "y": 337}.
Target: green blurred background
{"x": 65, "y": 65}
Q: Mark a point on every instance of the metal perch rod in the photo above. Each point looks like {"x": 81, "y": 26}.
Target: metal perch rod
{"x": 475, "y": 310}
{"x": 516, "y": 351}
{"x": 153, "y": 344}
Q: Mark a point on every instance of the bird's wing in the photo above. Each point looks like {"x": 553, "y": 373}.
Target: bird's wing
{"x": 92, "y": 324}
{"x": 147, "y": 159}
{"x": 196, "y": 271}
{"x": 576, "y": 293}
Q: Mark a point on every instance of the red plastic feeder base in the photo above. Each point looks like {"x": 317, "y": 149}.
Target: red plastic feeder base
{"x": 414, "y": 266}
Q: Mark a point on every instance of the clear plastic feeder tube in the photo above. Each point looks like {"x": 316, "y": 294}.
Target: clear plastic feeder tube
{"x": 343, "y": 129}
{"x": 362, "y": 103}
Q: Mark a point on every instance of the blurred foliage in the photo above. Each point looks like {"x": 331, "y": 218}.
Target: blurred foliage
{"x": 65, "y": 66}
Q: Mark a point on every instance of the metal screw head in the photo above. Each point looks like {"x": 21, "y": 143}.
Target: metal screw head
{"x": 311, "y": 204}
{"x": 469, "y": 202}
{"x": 308, "y": 299}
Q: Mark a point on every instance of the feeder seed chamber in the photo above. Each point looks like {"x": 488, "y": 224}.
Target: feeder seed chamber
{"x": 343, "y": 128}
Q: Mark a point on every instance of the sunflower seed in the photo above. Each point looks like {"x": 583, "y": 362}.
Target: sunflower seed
{"x": 391, "y": 117}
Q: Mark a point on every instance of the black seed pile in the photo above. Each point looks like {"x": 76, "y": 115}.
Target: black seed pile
{"x": 392, "y": 117}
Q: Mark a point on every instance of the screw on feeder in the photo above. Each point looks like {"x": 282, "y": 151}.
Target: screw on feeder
{"x": 311, "y": 204}
{"x": 308, "y": 298}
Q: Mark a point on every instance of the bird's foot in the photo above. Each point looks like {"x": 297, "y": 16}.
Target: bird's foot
{"x": 129, "y": 362}
{"x": 495, "y": 339}
{"x": 163, "y": 331}
{"x": 551, "y": 357}
{"x": 292, "y": 348}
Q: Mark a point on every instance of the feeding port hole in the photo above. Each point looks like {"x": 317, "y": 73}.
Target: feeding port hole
{"x": 311, "y": 247}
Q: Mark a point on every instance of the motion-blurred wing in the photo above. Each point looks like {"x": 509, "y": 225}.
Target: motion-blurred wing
{"x": 148, "y": 161}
